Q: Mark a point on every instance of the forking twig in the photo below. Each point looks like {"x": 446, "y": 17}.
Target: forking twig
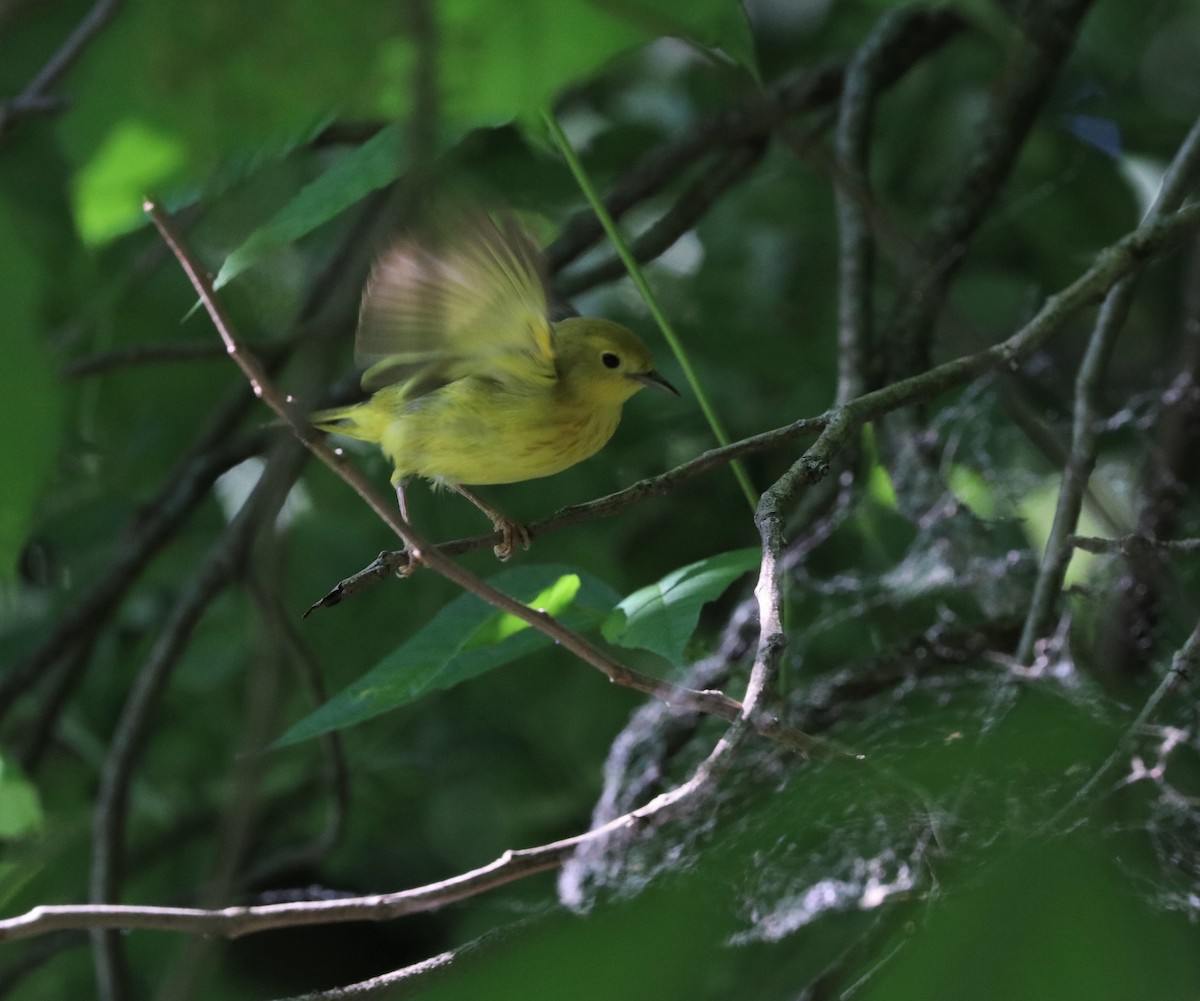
{"x": 712, "y": 702}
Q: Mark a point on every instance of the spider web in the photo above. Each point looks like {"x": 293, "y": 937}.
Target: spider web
{"x": 948, "y": 760}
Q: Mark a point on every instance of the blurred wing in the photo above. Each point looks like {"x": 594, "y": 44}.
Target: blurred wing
{"x": 470, "y": 303}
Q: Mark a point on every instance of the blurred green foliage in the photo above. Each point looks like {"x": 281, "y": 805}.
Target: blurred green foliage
{"x": 933, "y": 860}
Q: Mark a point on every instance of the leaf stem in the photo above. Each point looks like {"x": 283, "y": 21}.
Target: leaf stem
{"x": 639, "y": 280}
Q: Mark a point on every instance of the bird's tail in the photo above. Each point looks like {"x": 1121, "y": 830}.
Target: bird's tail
{"x": 361, "y": 421}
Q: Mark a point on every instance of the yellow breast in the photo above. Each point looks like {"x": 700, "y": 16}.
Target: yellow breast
{"x": 477, "y": 433}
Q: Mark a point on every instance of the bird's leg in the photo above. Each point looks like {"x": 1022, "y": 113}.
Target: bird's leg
{"x": 402, "y": 498}
{"x": 414, "y": 556}
{"x": 510, "y": 531}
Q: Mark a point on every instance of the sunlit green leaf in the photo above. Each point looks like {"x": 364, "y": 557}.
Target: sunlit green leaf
{"x": 554, "y": 600}
{"x": 879, "y": 481}
{"x": 217, "y": 79}
{"x": 135, "y": 160}
{"x": 1037, "y": 509}
{"x": 179, "y": 91}
{"x": 663, "y": 616}
{"x": 972, "y": 490}
{"x": 499, "y": 63}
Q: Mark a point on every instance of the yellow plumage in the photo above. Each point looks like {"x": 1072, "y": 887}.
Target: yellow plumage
{"x": 472, "y": 383}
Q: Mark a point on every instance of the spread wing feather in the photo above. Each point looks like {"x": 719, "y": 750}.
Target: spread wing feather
{"x": 470, "y": 302}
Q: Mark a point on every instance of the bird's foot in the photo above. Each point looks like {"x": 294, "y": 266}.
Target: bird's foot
{"x": 511, "y": 532}
{"x": 408, "y": 562}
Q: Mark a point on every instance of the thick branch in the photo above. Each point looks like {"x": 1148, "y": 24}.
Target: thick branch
{"x": 856, "y": 260}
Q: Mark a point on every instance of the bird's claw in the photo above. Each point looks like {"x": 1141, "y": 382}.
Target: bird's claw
{"x": 409, "y": 562}
{"x": 511, "y": 532}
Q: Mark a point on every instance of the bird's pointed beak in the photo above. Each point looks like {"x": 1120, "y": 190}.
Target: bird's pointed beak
{"x": 655, "y": 381}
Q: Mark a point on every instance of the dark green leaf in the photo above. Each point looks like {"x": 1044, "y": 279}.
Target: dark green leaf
{"x": 361, "y": 171}
{"x": 465, "y": 639}
{"x": 30, "y": 394}
{"x": 663, "y": 616}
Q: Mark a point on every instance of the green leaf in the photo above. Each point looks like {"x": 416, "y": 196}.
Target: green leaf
{"x": 177, "y": 91}
{"x": 501, "y": 625}
{"x": 879, "y": 481}
{"x": 217, "y": 80}
{"x": 663, "y": 616}
{"x": 135, "y": 160}
{"x": 1038, "y": 505}
{"x": 20, "y": 805}
{"x": 499, "y": 64}
{"x": 365, "y": 169}
{"x": 30, "y": 394}
{"x": 505, "y": 62}
{"x": 971, "y": 489}
{"x": 465, "y": 639}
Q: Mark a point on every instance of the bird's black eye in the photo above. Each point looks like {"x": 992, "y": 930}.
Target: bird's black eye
{"x": 610, "y": 360}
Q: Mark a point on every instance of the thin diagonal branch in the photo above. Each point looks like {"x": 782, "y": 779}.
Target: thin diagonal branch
{"x": 651, "y": 301}
{"x": 141, "y": 354}
{"x": 301, "y": 660}
{"x": 712, "y": 702}
{"x": 1183, "y": 666}
{"x": 689, "y": 208}
{"x": 1047, "y": 37}
{"x": 146, "y": 534}
{"x": 1109, "y": 265}
{"x": 34, "y": 99}
{"x": 924, "y": 32}
{"x": 1092, "y": 371}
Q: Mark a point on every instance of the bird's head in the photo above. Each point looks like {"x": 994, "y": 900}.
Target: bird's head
{"x": 605, "y": 362}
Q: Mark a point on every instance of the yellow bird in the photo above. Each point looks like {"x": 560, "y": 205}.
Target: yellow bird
{"x": 472, "y": 383}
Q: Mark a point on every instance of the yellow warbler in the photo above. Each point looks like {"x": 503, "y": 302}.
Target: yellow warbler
{"x": 472, "y": 383}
